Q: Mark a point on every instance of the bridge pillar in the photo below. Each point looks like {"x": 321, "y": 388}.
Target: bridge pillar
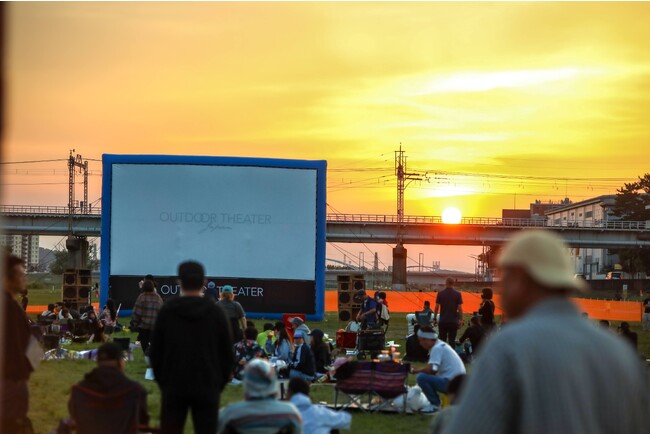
{"x": 399, "y": 267}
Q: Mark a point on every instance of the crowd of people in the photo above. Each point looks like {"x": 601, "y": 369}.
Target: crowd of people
{"x": 548, "y": 370}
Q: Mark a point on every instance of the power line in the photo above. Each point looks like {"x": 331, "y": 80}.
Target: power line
{"x": 32, "y": 161}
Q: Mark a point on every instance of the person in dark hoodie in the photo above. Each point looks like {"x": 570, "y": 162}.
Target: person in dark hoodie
{"x": 191, "y": 355}
{"x": 108, "y": 379}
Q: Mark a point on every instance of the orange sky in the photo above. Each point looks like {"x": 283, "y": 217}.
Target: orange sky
{"x": 511, "y": 89}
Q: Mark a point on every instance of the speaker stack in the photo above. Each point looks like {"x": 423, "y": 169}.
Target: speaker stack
{"x": 349, "y": 303}
{"x": 76, "y": 287}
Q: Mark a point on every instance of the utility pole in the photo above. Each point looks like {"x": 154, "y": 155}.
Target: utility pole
{"x": 77, "y": 278}
{"x": 404, "y": 178}
{"x": 77, "y": 246}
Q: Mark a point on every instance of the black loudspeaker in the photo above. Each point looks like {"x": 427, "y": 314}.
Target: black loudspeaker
{"x": 348, "y": 303}
{"x": 76, "y": 287}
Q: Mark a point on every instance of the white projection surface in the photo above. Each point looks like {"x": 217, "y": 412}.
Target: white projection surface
{"x": 239, "y": 221}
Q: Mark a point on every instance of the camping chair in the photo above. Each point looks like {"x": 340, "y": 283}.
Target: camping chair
{"x": 423, "y": 318}
{"x": 389, "y": 382}
{"x": 96, "y": 413}
{"x": 355, "y": 387}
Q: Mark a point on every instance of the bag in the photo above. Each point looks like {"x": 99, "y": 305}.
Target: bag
{"x": 384, "y": 314}
{"x": 415, "y": 399}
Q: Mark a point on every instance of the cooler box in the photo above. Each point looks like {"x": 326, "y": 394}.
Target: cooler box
{"x": 371, "y": 340}
{"x": 346, "y": 339}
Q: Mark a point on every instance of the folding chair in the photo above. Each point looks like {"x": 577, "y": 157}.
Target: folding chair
{"x": 389, "y": 382}
{"x": 356, "y": 387}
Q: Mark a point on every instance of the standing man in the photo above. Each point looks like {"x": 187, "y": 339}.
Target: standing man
{"x": 449, "y": 303}
{"x": 191, "y": 355}
{"x": 17, "y": 342}
{"x": 444, "y": 364}
{"x": 367, "y": 315}
{"x": 549, "y": 370}
{"x": 646, "y": 313}
{"x": 145, "y": 311}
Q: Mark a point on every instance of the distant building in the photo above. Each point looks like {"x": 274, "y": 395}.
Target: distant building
{"x": 537, "y": 210}
{"x": 23, "y": 246}
{"x": 591, "y": 212}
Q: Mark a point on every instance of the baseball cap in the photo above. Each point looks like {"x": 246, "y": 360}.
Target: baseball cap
{"x": 543, "y": 254}
{"x": 296, "y": 320}
{"x": 227, "y": 288}
{"x": 299, "y": 334}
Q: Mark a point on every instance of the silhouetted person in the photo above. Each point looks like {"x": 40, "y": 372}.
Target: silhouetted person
{"x": 17, "y": 339}
{"x": 549, "y": 370}
{"x": 108, "y": 380}
{"x": 449, "y": 303}
{"x": 628, "y": 335}
{"x": 486, "y": 309}
{"x": 191, "y": 355}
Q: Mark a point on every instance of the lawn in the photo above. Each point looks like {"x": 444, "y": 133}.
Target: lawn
{"x": 49, "y": 385}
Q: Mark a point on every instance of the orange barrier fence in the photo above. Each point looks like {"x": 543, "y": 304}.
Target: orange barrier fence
{"x": 409, "y": 302}
{"x": 36, "y": 310}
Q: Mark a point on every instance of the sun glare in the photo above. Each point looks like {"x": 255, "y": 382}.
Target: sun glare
{"x": 451, "y": 216}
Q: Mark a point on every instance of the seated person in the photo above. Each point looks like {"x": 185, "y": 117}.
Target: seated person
{"x": 298, "y": 324}
{"x": 425, "y": 316}
{"x": 444, "y": 364}
{"x": 302, "y": 362}
{"x": 321, "y": 352}
{"x": 629, "y": 335}
{"x": 64, "y": 315}
{"x": 317, "y": 419}
{"x": 266, "y": 339}
{"x": 48, "y": 313}
{"x": 108, "y": 379}
{"x": 414, "y": 351}
{"x": 75, "y": 313}
{"x": 261, "y": 412}
{"x": 283, "y": 348}
{"x": 246, "y": 350}
{"x": 475, "y": 333}
{"x": 441, "y": 420}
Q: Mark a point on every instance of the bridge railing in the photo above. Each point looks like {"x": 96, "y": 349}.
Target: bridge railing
{"x": 56, "y": 210}
{"x": 492, "y": 221}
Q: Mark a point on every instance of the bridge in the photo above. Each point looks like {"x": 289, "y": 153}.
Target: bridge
{"x": 369, "y": 228}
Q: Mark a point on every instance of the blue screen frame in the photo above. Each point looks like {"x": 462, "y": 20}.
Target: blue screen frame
{"x": 321, "y": 212}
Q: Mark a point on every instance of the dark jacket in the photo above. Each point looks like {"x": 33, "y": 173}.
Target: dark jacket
{"x": 16, "y": 339}
{"x": 475, "y": 334}
{"x": 306, "y": 362}
{"x": 322, "y": 358}
{"x": 191, "y": 346}
{"x": 487, "y": 313}
{"x": 109, "y": 381}
{"x": 414, "y": 351}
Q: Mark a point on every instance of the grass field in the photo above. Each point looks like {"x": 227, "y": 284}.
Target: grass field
{"x": 49, "y": 385}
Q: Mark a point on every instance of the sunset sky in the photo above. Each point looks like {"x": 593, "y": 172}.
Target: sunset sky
{"x": 499, "y": 103}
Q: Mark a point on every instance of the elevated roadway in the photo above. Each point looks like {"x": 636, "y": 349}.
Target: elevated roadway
{"x": 370, "y": 228}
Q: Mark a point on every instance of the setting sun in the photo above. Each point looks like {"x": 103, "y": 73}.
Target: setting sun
{"x": 451, "y": 216}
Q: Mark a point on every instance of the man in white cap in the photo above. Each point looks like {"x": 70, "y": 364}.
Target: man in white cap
{"x": 261, "y": 412}
{"x": 550, "y": 370}
{"x": 444, "y": 365}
